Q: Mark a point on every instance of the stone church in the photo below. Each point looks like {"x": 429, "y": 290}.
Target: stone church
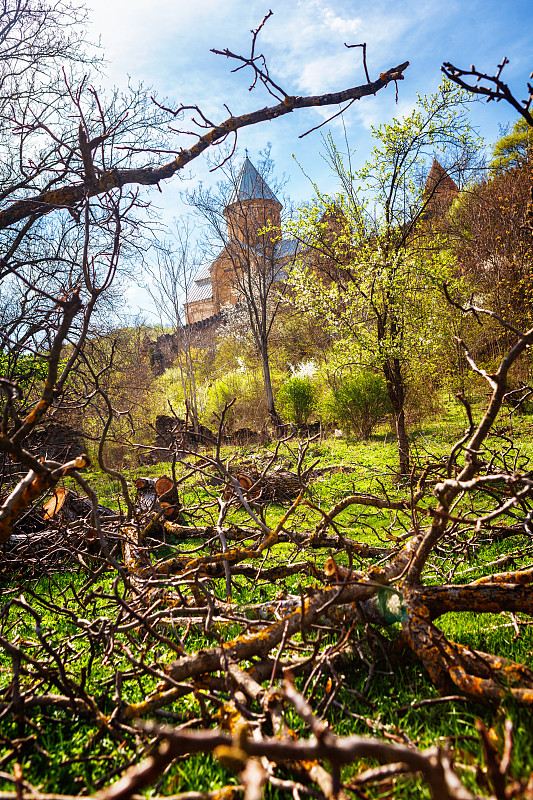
{"x": 247, "y": 255}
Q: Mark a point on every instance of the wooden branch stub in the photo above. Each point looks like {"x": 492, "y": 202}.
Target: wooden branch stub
{"x": 65, "y": 506}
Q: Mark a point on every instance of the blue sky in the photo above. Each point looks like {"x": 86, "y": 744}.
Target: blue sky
{"x": 166, "y": 44}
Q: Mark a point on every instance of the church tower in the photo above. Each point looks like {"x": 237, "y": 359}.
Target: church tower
{"x": 439, "y": 192}
{"x": 252, "y": 206}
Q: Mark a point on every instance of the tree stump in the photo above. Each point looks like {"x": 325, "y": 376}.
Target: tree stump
{"x": 149, "y": 492}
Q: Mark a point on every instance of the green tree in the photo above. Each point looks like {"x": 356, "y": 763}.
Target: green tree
{"x": 514, "y": 149}
{"x": 374, "y": 259}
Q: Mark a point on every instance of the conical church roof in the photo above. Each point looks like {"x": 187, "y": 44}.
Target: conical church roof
{"x": 439, "y": 180}
{"x": 250, "y": 186}
{"x": 439, "y": 192}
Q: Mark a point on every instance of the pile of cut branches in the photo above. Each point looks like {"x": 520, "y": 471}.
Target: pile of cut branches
{"x": 275, "y": 605}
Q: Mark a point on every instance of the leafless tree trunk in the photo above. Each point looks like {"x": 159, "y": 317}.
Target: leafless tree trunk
{"x": 170, "y": 285}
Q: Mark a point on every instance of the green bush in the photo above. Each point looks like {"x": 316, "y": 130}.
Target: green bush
{"x": 297, "y": 399}
{"x": 359, "y": 402}
{"x": 249, "y": 409}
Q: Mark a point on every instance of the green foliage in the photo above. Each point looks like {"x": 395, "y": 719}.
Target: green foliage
{"x": 24, "y": 368}
{"x": 424, "y": 396}
{"x": 297, "y": 399}
{"x": 359, "y": 402}
{"x": 407, "y": 322}
{"x": 246, "y": 386}
{"x": 298, "y": 338}
{"x": 514, "y": 149}
{"x": 392, "y": 181}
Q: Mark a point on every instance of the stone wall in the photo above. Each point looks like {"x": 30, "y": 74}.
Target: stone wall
{"x": 54, "y": 441}
{"x": 164, "y": 350}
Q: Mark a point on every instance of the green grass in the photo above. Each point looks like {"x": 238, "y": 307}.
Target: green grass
{"x": 66, "y": 753}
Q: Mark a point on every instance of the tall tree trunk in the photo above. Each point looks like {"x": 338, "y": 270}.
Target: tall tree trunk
{"x": 403, "y": 443}
{"x": 396, "y": 390}
{"x": 188, "y": 384}
{"x": 271, "y": 408}
{"x": 267, "y": 380}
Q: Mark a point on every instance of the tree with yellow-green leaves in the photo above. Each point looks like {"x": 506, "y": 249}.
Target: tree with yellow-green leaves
{"x": 374, "y": 263}
{"x": 514, "y": 149}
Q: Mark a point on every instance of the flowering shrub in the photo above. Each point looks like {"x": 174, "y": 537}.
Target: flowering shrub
{"x": 306, "y": 369}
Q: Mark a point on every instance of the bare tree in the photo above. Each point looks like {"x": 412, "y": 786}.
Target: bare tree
{"x": 492, "y": 87}
{"x": 170, "y": 286}
{"x": 250, "y": 260}
{"x": 70, "y": 209}
{"x": 104, "y": 174}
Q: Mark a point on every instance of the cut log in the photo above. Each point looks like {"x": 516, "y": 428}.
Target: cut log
{"x": 164, "y": 484}
{"x": 146, "y": 495}
{"x": 246, "y": 481}
{"x": 280, "y": 485}
{"x": 336, "y": 572}
{"x": 150, "y": 491}
{"x": 65, "y": 506}
{"x": 53, "y": 506}
{"x": 168, "y": 497}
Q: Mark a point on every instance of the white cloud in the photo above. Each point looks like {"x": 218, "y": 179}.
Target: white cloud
{"x": 310, "y": 38}
{"x": 163, "y": 42}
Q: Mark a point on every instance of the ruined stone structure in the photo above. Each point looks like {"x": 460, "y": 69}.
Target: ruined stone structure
{"x": 53, "y": 440}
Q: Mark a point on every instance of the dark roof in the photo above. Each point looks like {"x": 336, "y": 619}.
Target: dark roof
{"x": 200, "y": 291}
{"x": 250, "y": 186}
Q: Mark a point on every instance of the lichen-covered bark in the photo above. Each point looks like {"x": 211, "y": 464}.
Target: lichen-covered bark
{"x": 70, "y": 196}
